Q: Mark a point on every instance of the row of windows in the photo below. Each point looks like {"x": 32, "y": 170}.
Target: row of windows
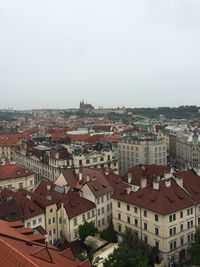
{"x": 103, "y": 198}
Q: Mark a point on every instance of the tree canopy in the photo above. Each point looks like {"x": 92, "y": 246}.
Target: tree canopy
{"x": 195, "y": 248}
{"x": 86, "y": 229}
{"x": 124, "y": 257}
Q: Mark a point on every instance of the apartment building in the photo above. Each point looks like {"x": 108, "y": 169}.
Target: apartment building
{"x": 15, "y": 176}
{"x": 163, "y": 212}
{"x": 141, "y": 148}
{"x": 188, "y": 150}
{"x": 33, "y": 214}
{"x": 96, "y": 186}
{"x": 72, "y": 210}
{"x": 49, "y": 207}
{"x": 153, "y": 214}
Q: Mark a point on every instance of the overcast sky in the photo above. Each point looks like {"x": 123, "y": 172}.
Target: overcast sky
{"x": 53, "y": 53}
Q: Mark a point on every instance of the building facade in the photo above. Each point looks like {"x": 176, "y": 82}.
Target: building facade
{"x": 141, "y": 148}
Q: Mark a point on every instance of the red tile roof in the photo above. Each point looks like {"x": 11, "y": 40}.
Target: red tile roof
{"x": 148, "y": 171}
{"x": 164, "y": 201}
{"x": 17, "y": 250}
{"x": 10, "y": 170}
{"x": 28, "y": 208}
{"x": 73, "y": 203}
{"x": 8, "y": 140}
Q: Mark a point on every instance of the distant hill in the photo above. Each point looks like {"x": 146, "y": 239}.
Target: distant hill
{"x": 182, "y": 112}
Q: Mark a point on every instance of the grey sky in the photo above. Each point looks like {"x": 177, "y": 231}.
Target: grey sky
{"x": 127, "y": 53}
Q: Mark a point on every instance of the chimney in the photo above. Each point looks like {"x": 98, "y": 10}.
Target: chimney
{"x": 28, "y": 196}
{"x": 49, "y": 197}
{"x": 130, "y": 176}
{"x": 80, "y": 176}
{"x": 143, "y": 182}
{"x": 179, "y": 181}
{"x": 129, "y": 190}
{"x": 77, "y": 171}
{"x": 88, "y": 178}
{"x": 172, "y": 170}
{"x": 107, "y": 172}
{"x": 156, "y": 185}
{"x": 167, "y": 183}
{"x": 48, "y": 187}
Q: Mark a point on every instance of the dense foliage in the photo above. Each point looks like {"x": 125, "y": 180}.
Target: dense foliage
{"x": 195, "y": 249}
{"x": 86, "y": 229}
{"x": 182, "y": 112}
{"x": 124, "y": 257}
{"x": 109, "y": 234}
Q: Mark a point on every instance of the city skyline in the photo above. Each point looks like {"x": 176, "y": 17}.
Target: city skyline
{"x": 116, "y": 53}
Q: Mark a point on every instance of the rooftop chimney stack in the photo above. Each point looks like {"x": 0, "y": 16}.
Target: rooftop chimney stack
{"x": 143, "y": 182}
{"x": 156, "y": 185}
{"x": 130, "y": 177}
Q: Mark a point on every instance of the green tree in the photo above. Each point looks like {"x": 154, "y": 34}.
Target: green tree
{"x": 109, "y": 234}
{"x": 86, "y": 229}
{"x": 195, "y": 248}
{"x": 124, "y": 257}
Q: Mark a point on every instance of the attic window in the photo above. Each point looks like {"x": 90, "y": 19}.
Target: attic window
{"x": 12, "y": 212}
{"x": 104, "y": 185}
{"x": 31, "y": 208}
{"x": 95, "y": 188}
{"x": 140, "y": 195}
{"x": 170, "y": 199}
{"x": 180, "y": 197}
{"x": 153, "y": 199}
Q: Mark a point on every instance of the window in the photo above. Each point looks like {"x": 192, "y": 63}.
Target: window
{"x": 102, "y": 210}
{"x": 172, "y": 245}
{"x": 53, "y": 220}
{"x": 181, "y": 227}
{"x": 156, "y": 231}
{"x": 136, "y": 222}
{"x": 181, "y": 214}
{"x": 98, "y": 211}
{"x": 34, "y": 222}
{"x": 49, "y": 221}
{"x": 103, "y": 221}
{"x": 157, "y": 244}
{"x": 51, "y": 210}
{"x": 145, "y": 226}
{"x": 172, "y": 217}
{"x": 135, "y": 209}
{"x": 83, "y": 217}
{"x": 99, "y": 223}
{"x": 189, "y": 211}
{"x": 40, "y": 220}
{"x": 146, "y": 239}
{"x": 182, "y": 240}
{"x": 190, "y": 224}
{"x": 102, "y": 199}
{"x": 50, "y": 232}
{"x": 88, "y": 215}
{"x": 98, "y": 200}
{"x": 54, "y": 231}
{"x": 156, "y": 217}
{"x": 128, "y": 207}
{"x": 75, "y": 221}
{"x": 172, "y": 231}
{"x": 93, "y": 213}
{"x": 108, "y": 196}
{"x": 119, "y": 216}
{"x": 28, "y": 224}
{"x": 20, "y": 185}
{"x": 108, "y": 207}
{"x": 118, "y": 204}
{"x": 145, "y": 213}
{"x": 76, "y": 233}
{"x": 128, "y": 219}
{"x": 119, "y": 228}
